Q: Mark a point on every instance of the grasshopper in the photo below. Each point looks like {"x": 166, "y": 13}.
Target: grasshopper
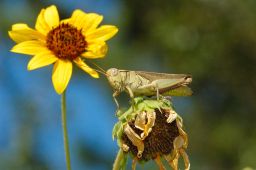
{"x": 142, "y": 83}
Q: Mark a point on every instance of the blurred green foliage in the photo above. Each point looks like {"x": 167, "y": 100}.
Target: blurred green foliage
{"x": 215, "y": 41}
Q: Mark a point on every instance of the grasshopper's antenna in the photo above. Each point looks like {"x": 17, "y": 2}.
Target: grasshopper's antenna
{"x": 99, "y": 71}
{"x": 98, "y": 66}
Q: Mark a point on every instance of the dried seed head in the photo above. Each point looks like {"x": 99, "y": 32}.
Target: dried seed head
{"x": 151, "y": 129}
{"x": 160, "y": 139}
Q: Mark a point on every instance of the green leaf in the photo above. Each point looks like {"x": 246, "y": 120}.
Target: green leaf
{"x": 115, "y": 128}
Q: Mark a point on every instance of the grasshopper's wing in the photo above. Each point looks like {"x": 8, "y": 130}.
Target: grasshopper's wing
{"x": 151, "y": 76}
{"x": 167, "y": 84}
{"x": 156, "y": 76}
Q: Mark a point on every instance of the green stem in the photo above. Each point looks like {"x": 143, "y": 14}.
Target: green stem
{"x": 119, "y": 159}
{"x": 65, "y": 131}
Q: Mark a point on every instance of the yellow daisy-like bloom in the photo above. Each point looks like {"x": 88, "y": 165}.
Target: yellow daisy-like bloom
{"x": 62, "y": 42}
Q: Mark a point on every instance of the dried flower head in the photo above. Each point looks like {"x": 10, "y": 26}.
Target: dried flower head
{"x": 150, "y": 130}
{"x": 62, "y": 42}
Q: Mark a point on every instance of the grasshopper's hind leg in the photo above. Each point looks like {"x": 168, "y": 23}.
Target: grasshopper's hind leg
{"x": 157, "y": 92}
{"x": 158, "y": 95}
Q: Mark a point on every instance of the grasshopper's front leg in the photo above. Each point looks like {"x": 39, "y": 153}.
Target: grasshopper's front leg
{"x": 115, "y": 94}
{"x": 130, "y": 92}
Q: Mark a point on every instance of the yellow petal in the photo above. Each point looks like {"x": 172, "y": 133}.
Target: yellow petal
{"x": 30, "y": 47}
{"x": 51, "y": 16}
{"x": 41, "y": 60}
{"x": 19, "y": 26}
{"x": 21, "y": 32}
{"x": 41, "y": 24}
{"x": 78, "y": 19}
{"x": 103, "y": 33}
{"x": 96, "y": 50}
{"x": 93, "y": 20}
{"x": 61, "y": 75}
{"x": 65, "y": 21}
{"x": 86, "y": 68}
{"x": 86, "y": 21}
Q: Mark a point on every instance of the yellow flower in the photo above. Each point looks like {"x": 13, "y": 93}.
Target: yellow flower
{"x": 62, "y": 43}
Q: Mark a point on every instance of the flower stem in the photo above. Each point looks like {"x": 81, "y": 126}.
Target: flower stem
{"x": 65, "y": 131}
{"x": 119, "y": 159}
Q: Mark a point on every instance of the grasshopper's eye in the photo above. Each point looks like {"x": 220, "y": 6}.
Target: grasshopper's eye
{"x": 114, "y": 72}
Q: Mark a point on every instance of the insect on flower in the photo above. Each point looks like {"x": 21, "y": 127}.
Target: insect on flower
{"x": 151, "y": 130}
{"x": 142, "y": 83}
{"x": 63, "y": 42}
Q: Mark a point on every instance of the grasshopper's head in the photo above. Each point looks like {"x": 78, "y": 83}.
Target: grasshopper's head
{"x": 115, "y": 78}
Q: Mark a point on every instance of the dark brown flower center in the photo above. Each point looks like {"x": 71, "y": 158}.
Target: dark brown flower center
{"x": 66, "y": 42}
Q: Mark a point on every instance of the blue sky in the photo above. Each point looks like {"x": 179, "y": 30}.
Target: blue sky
{"x": 30, "y": 108}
